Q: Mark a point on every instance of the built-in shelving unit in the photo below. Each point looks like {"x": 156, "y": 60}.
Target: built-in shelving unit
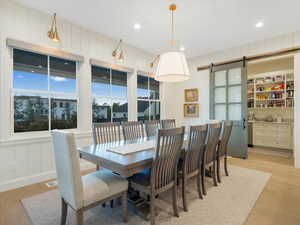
{"x": 271, "y": 90}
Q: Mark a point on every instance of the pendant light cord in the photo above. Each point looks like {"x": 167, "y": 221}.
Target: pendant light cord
{"x": 172, "y": 31}
{"x": 55, "y": 21}
{"x": 172, "y": 8}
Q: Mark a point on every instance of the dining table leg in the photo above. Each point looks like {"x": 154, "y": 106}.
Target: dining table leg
{"x": 141, "y": 206}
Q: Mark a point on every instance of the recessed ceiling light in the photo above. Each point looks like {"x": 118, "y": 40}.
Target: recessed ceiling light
{"x": 137, "y": 26}
{"x": 182, "y": 48}
{"x": 259, "y": 24}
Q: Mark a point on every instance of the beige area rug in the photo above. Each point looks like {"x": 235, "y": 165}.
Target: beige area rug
{"x": 228, "y": 204}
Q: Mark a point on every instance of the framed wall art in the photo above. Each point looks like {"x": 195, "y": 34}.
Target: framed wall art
{"x": 191, "y": 95}
{"x": 191, "y": 110}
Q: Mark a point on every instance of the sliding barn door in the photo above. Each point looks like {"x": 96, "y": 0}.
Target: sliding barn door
{"x": 228, "y": 98}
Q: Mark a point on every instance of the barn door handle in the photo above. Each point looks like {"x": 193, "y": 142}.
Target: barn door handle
{"x": 244, "y": 123}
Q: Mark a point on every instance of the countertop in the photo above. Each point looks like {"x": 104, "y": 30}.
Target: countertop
{"x": 284, "y": 122}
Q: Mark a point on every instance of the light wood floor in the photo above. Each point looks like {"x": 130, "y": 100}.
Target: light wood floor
{"x": 280, "y": 201}
{"x": 278, "y": 204}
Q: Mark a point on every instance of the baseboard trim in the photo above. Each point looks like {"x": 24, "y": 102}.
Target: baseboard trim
{"x": 24, "y": 181}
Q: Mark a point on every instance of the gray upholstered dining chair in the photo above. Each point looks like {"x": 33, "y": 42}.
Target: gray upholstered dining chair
{"x": 152, "y": 127}
{"x": 163, "y": 174}
{"x": 132, "y": 130}
{"x": 106, "y": 132}
{"x": 83, "y": 193}
{"x": 222, "y": 147}
{"x": 209, "y": 159}
{"x": 193, "y": 158}
{"x": 168, "y": 124}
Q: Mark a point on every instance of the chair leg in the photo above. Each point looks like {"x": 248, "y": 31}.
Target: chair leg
{"x": 175, "y": 208}
{"x": 184, "y": 200}
{"x": 225, "y": 166}
{"x": 152, "y": 209}
{"x": 218, "y": 170}
{"x": 214, "y": 174}
{"x": 97, "y": 167}
{"x": 79, "y": 217}
{"x": 203, "y": 179}
{"x": 178, "y": 180}
{"x": 125, "y": 206}
{"x": 199, "y": 178}
{"x": 112, "y": 203}
{"x": 64, "y": 212}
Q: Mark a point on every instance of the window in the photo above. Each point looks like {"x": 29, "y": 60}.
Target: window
{"x": 109, "y": 90}
{"x": 44, "y": 92}
{"x": 148, "y": 98}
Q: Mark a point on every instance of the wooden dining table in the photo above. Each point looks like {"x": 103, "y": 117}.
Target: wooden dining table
{"x": 125, "y": 165}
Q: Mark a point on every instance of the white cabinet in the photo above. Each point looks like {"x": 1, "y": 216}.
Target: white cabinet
{"x": 275, "y": 135}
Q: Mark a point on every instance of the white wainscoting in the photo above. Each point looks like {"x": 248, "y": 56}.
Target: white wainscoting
{"x": 29, "y": 161}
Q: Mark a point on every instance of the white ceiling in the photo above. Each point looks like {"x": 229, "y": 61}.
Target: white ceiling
{"x": 202, "y": 26}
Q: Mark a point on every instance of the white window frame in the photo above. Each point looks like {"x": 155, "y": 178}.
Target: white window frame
{"x": 110, "y": 92}
{"x": 49, "y": 95}
{"x": 147, "y": 100}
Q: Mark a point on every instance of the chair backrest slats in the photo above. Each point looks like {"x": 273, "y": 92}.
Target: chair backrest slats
{"x": 195, "y": 149}
{"x": 168, "y": 149}
{"x": 132, "y": 130}
{"x": 152, "y": 127}
{"x": 212, "y": 141}
{"x": 166, "y": 124}
{"x": 106, "y": 132}
{"x": 67, "y": 168}
{"x": 225, "y": 135}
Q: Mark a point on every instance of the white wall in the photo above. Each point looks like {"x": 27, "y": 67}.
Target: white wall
{"x": 200, "y": 79}
{"x": 27, "y": 158}
{"x": 297, "y": 110}
{"x": 175, "y": 98}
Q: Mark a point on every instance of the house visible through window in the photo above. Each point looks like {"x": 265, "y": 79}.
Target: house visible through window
{"x": 109, "y": 90}
{"x": 148, "y": 98}
{"x": 44, "y": 92}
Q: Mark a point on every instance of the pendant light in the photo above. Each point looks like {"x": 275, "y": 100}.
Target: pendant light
{"x": 118, "y": 52}
{"x": 53, "y": 33}
{"x": 172, "y": 66}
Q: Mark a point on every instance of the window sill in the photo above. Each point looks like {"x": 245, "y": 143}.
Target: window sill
{"x": 40, "y": 137}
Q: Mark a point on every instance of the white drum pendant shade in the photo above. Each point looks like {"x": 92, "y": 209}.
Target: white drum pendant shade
{"x": 172, "y": 67}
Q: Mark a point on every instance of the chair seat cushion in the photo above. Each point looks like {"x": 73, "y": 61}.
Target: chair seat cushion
{"x": 100, "y": 185}
{"x": 141, "y": 181}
